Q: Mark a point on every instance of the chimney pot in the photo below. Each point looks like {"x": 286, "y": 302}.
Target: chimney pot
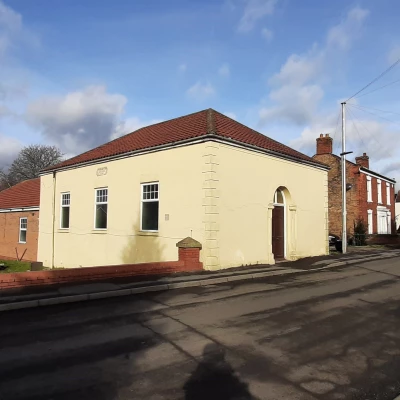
{"x": 321, "y": 135}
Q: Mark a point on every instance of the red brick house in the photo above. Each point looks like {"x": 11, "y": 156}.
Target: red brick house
{"x": 19, "y": 220}
{"x": 370, "y": 195}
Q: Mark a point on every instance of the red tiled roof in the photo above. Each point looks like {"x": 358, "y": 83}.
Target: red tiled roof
{"x": 192, "y": 126}
{"x": 21, "y": 195}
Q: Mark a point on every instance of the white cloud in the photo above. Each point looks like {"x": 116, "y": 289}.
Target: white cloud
{"x": 224, "y": 71}
{"x": 130, "y": 125}
{"x": 230, "y": 115}
{"x": 8, "y": 150}
{"x": 79, "y": 120}
{"x": 297, "y": 88}
{"x": 267, "y": 34}
{"x": 5, "y": 111}
{"x": 297, "y": 106}
{"x": 182, "y": 68}
{"x": 10, "y": 27}
{"x": 299, "y": 69}
{"x": 255, "y": 10}
{"x": 201, "y": 91}
{"x": 13, "y": 80}
{"x": 12, "y": 31}
{"x": 394, "y": 54}
{"x": 348, "y": 29}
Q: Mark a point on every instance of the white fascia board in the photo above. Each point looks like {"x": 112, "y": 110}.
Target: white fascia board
{"x": 377, "y": 176}
{"x": 9, "y": 210}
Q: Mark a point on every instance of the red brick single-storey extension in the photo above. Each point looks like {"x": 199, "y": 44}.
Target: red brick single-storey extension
{"x": 19, "y": 220}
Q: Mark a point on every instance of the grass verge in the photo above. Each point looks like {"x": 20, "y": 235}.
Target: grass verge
{"x": 14, "y": 266}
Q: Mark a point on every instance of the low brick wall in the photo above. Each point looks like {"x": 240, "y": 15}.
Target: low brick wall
{"x": 188, "y": 262}
{"x": 383, "y": 239}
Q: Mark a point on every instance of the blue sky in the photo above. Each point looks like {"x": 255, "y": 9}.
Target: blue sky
{"x": 77, "y": 73}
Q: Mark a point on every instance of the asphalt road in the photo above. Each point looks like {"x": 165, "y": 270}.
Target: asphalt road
{"x": 334, "y": 334}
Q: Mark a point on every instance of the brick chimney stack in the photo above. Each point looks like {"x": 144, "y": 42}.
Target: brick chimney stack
{"x": 363, "y": 161}
{"x": 324, "y": 144}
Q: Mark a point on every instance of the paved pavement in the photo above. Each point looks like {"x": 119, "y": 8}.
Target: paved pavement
{"x": 330, "y": 334}
{"x": 38, "y": 296}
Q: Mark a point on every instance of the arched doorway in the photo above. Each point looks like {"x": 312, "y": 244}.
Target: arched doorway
{"x": 278, "y": 226}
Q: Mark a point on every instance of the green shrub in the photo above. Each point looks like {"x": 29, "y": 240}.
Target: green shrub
{"x": 360, "y": 232}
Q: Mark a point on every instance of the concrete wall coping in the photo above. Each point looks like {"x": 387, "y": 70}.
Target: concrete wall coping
{"x": 189, "y": 243}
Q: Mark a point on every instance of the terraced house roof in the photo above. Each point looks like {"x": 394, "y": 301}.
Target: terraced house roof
{"x": 22, "y": 195}
{"x": 203, "y": 124}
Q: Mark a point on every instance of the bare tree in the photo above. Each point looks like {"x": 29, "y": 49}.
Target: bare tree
{"x": 29, "y": 162}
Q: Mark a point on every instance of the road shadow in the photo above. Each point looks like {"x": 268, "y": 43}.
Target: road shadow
{"x": 215, "y": 379}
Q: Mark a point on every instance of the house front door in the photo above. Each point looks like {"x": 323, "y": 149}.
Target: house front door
{"x": 382, "y": 222}
{"x": 278, "y": 232}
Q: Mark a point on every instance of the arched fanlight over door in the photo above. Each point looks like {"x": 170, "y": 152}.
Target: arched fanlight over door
{"x": 278, "y": 197}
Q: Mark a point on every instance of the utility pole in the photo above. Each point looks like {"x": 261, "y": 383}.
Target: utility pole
{"x": 344, "y": 186}
{"x": 344, "y": 210}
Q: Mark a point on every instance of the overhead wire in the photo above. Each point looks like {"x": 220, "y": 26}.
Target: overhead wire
{"x": 370, "y": 133}
{"x": 376, "y": 115}
{"x": 375, "y": 80}
{"x": 379, "y": 88}
{"x": 372, "y": 108}
{"x": 352, "y": 117}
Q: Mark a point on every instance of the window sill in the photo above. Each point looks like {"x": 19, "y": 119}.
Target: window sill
{"x": 148, "y": 233}
{"x": 22, "y": 242}
{"x": 100, "y": 231}
{"x": 63, "y": 230}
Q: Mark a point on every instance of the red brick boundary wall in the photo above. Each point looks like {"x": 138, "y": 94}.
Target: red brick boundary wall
{"x": 383, "y": 239}
{"x": 189, "y": 261}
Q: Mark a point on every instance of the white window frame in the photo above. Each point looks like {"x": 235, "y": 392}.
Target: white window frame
{"x": 370, "y": 222}
{"x": 142, "y": 200}
{"x": 389, "y": 222}
{"x": 369, "y": 189}
{"x": 379, "y": 189}
{"x": 96, "y": 203}
{"x": 23, "y": 229}
{"x": 388, "y": 193}
{"x": 64, "y": 206}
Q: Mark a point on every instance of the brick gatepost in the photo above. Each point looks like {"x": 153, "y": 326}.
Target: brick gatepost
{"x": 189, "y": 253}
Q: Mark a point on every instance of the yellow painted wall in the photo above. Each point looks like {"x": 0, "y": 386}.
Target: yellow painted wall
{"x": 247, "y": 183}
{"x": 220, "y": 194}
{"x": 179, "y": 172}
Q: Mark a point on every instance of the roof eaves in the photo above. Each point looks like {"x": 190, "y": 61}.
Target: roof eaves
{"x": 376, "y": 173}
